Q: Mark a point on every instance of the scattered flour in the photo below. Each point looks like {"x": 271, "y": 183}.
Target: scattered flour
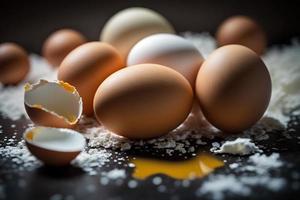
{"x": 284, "y": 66}
{"x": 132, "y": 184}
{"x": 157, "y": 180}
{"x": 22, "y": 160}
{"x": 263, "y": 163}
{"x": 175, "y": 141}
{"x": 240, "y": 146}
{"x": 115, "y": 174}
{"x": 91, "y": 160}
{"x": 219, "y": 185}
{"x": 19, "y": 156}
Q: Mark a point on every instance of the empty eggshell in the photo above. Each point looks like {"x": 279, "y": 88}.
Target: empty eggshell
{"x": 169, "y": 50}
{"x": 87, "y": 66}
{"x": 55, "y": 104}
{"x": 234, "y": 88}
{"x": 143, "y": 101}
{"x": 14, "y": 63}
{"x": 60, "y": 43}
{"x": 244, "y": 31}
{"x": 129, "y": 26}
{"x": 54, "y": 146}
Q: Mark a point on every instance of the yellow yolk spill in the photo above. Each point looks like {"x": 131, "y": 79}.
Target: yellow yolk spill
{"x": 30, "y": 135}
{"x": 71, "y": 118}
{"x": 67, "y": 86}
{"x": 196, "y": 167}
{"x": 27, "y": 87}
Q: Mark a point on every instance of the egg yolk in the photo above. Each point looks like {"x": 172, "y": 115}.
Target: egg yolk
{"x": 196, "y": 167}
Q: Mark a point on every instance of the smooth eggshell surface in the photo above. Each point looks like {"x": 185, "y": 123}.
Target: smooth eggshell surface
{"x": 234, "y": 88}
{"x": 87, "y": 66}
{"x": 55, "y": 147}
{"x": 143, "y": 101}
{"x": 168, "y": 50}
{"x": 129, "y": 26}
{"x": 244, "y": 31}
{"x": 14, "y": 63}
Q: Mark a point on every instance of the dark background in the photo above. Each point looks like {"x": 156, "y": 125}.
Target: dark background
{"x": 30, "y": 22}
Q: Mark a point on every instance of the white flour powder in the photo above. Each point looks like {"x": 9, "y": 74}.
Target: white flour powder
{"x": 240, "y": 146}
{"x": 261, "y": 165}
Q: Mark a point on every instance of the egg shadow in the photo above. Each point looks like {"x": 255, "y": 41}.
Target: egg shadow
{"x": 62, "y": 172}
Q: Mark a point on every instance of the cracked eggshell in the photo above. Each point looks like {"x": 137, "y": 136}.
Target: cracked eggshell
{"x": 54, "y": 146}
{"x": 87, "y": 66}
{"x": 128, "y": 26}
{"x": 168, "y": 50}
{"x": 55, "y": 104}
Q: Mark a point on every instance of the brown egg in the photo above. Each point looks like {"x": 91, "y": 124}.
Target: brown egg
{"x": 234, "y": 88}
{"x": 54, "y": 146}
{"x": 60, "y": 43}
{"x": 143, "y": 101}
{"x": 14, "y": 63}
{"x": 244, "y": 31}
{"x": 87, "y": 66}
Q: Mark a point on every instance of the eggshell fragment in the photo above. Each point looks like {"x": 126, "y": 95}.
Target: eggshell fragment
{"x": 129, "y": 26}
{"x": 169, "y": 50}
{"x": 87, "y": 66}
{"x": 55, "y": 104}
{"x": 244, "y": 31}
{"x": 54, "y": 146}
{"x": 14, "y": 63}
{"x": 143, "y": 101}
{"x": 233, "y": 87}
{"x": 60, "y": 43}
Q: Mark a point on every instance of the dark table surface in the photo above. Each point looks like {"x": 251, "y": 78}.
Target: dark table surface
{"x": 29, "y": 23}
{"x": 43, "y": 182}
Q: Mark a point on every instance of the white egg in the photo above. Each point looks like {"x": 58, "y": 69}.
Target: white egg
{"x": 169, "y": 50}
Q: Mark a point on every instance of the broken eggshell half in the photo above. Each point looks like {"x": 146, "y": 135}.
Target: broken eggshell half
{"x": 54, "y": 104}
{"x": 54, "y": 146}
